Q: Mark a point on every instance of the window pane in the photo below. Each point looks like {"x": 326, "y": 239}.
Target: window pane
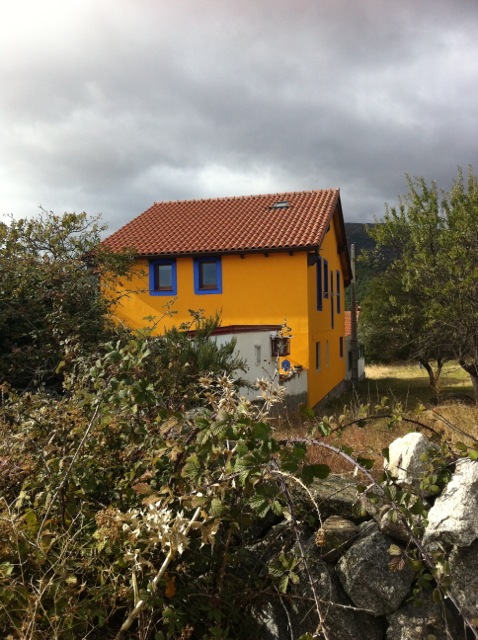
{"x": 164, "y": 277}
{"x": 207, "y": 275}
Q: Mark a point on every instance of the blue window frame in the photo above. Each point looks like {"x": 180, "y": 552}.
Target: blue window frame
{"x": 207, "y": 275}
{"x": 162, "y": 278}
{"x": 319, "y": 283}
{"x": 338, "y": 292}
{"x": 332, "y": 318}
{"x": 326, "y": 279}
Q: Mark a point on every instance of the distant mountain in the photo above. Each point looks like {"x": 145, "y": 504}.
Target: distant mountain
{"x": 356, "y": 233}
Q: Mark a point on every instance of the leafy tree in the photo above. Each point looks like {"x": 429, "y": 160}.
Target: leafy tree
{"x": 384, "y": 329}
{"x": 458, "y": 311}
{"x": 49, "y": 294}
{"x": 429, "y": 248}
{"x": 391, "y": 324}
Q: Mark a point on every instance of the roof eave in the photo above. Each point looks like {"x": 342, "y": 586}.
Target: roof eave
{"x": 342, "y": 246}
{"x": 231, "y": 252}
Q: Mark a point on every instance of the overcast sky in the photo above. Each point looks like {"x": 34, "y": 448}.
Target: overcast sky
{"x": 109, "y": 105}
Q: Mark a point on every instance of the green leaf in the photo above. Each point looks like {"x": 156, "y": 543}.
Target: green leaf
{"x": 6, "y": 569}
{"x": 217, "y": 508}
{"x": 437, "y": 596}
{"x": 276, "y": 508}
{"x": 294, "y": 578}
{"x": 192, "y": 467}
{"x": 275, "y": 572}
{"x": 418, "y": 508}
{"x": 262, "y": 509}
{"x": 284, "y": 583}
{"x": 245, "y": 467}
{"x": 60, "y": 366}
{"x": 261, "y": 431}
{"x": 307, "y": 412}
{"x": 324, "y": 428}
{"x": 31, "y": 520}
{"x": 416, "y": 565}
{"x": 311, "y": 471}
{"x": 299, "y": 451}
{"x": 367, "y": 463}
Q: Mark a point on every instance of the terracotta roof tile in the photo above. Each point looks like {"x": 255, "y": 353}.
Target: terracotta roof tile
{"x": 221, "y": 225}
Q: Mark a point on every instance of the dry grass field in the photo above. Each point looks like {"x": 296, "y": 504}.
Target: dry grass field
{"x": 400, "y": 398}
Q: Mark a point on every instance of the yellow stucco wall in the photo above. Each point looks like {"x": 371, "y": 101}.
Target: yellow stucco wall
{"x": 332, "y": 369}
{"x": 256, "y": 289}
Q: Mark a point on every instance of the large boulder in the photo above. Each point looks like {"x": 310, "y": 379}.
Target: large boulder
{"x": 423, "y": 618}
{"x": 463, "y": 564}
{"x": 296, "y": 613}
{"x": 405, "y": 462}
{"x": 453, "y": 519}
{"x": 335, "y": 495}
{"x": 335, "y": 536}
{"x": 367, "y": 578}
{"x": 392, "y": 525}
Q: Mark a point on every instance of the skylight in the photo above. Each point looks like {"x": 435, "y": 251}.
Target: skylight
{"x": 281, "y": 204}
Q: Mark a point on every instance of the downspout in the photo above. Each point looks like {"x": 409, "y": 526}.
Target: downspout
{"x": 353, "y": 322}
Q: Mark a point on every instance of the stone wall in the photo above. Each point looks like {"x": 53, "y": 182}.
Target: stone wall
{"x": 362, "y": 557}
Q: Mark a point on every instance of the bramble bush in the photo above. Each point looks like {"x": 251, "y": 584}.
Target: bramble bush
{"x": 118, "y": 511}
{"x": 130, "y": 493}
{"x": 121, "y": 517}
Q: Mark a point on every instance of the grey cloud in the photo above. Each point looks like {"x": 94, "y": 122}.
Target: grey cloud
{"x": 175, "y": 100}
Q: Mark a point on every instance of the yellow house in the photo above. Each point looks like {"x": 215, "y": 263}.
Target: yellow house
{"x": 258, "y": 260}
